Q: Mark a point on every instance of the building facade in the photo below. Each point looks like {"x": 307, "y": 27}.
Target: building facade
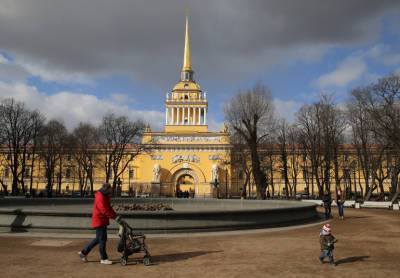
{"x": 185, "y": 157}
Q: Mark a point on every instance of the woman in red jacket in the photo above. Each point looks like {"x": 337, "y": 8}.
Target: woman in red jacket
{"x": 102, "y": 212}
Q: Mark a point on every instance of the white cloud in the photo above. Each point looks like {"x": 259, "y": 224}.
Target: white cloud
{"x": 354, "y": 67}
{"x": 49, "y": 74}
{"x": 287, "y": 109}
{"x": 11, "y": 72}
{"x": 214, "y": 125}
{"x": 3, "y": 59}
{"x": 350, "y": 69}
{"x": 376, "y": 51}
{"x": 18, "y": 69}
{"x": 73, "y": 108}
{"x": 392, "y": 59}
{"x": 122, "y": 98}
{"x": 103, "y": 37}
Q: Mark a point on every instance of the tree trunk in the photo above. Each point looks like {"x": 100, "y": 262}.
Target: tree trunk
{"x": 259, "y": 176}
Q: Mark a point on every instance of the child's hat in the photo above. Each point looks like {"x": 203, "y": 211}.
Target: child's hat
{"x": 327, "y": 228}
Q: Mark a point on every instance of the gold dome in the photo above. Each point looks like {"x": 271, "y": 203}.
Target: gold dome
{"x": 187, "y": 86}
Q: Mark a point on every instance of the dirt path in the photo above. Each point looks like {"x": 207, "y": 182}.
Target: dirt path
{"x": 369, "y": 246}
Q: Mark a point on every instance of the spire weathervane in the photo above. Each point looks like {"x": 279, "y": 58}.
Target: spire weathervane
{"x": 187, "y": 63}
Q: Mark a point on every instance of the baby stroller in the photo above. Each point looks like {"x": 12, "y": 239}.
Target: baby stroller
{"x": 130, "y": 243}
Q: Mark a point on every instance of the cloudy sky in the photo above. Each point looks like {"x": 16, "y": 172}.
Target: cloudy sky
{"x": 78, "y": 59}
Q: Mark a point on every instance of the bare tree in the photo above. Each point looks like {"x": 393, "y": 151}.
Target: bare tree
{"x": 4, "y": 175}
{"x": 381, "y": 102}
{"x": 288, "y": 143}
{"x": 268, "y": 154}
{"x": 370, "y": 150}
{"x": 18, "y": 130}
{"x": 322, "y": 125}
{"x": 37, "y": 124}
{"x": 309, "y": 123}
{"x": 282, "y": 141}
{"x": 294, "y": 158}
{"x": 85, "y": 144}
{"x": 250, "y": 115}
{"x": 335, "y": 124}
{"x": 240, "y": 161}
{"x": 52, "y": 149}
{"x": 120, "y": 140}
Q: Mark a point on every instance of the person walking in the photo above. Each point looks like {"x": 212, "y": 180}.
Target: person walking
{"x": 102, "y": 212}
{"x": 327, "y": 242}
{"x": 340, "y": 199}
{"x": 327, "y": 200}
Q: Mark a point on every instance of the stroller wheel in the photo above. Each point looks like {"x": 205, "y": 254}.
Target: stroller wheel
{"x": 146, "y": 261}
{"x": 124, "y": 261}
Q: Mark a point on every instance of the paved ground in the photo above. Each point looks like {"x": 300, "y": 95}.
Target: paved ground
{"x": 369, "y": 246}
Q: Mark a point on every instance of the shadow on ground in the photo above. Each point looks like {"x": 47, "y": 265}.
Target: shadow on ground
{"x": 17, "y": 226}
{"x": 352, "y": 259}
{"x": 356, "y": 217}
{"x": 174, "y": 257}
{"x": 166, "y": 258}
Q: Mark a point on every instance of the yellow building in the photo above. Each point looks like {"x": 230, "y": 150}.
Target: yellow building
{"x": 185, "y": 156}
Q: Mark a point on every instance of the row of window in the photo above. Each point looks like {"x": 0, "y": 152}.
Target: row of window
{"x": 68, "y": 172}
{"x": 29, "y": 156}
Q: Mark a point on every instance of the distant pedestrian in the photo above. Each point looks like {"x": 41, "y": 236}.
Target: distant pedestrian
{"x": 340, "y": 199}
{"x": 327, "y": 242}
{"x": 102, "y": 212}
{"x": 327, "y": 200}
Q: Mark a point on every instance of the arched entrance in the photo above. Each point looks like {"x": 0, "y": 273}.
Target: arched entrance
{"x": 185, "y": 186}
{"x": 186, "y": 183}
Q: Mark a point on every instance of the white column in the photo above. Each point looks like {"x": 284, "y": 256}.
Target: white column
{"x": 183, "y": 115}
{"x": 198, "y": 115}
{"x": 179, "y": 113}
{"x": 205, "y": 115}
{"x": 173, "y": 116}
{"x": 190, "y": 115}
{"x": 166, "y": 115}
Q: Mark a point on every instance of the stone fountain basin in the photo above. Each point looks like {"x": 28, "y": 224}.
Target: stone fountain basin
{"x": 188, "y": 215}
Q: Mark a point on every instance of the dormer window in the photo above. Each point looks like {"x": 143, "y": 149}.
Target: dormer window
{"x": 186, "y": 97}
{"x": 186, "y": 86}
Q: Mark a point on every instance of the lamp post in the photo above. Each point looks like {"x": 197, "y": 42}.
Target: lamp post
{"x": 226, "y": 181}
{"x": 129, "y": 177}
{"x": 216, "y": 183}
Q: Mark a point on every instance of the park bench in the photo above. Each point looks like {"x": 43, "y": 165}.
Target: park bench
{"x": 374, "y": 204}
{"x": 143, "y": 195}
{"x": 347, "y": 203}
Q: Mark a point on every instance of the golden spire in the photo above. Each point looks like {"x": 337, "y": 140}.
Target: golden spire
{"x": 187, "y": 63}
